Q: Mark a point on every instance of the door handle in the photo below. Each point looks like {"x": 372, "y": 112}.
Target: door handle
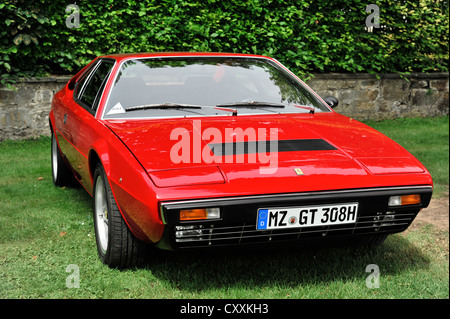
{"x": 65, "y": 118}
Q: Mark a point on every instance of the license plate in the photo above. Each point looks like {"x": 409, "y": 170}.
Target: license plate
{"x": 306, "y": 216}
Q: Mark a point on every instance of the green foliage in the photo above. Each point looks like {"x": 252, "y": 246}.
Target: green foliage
{"x": 306, "y": 35}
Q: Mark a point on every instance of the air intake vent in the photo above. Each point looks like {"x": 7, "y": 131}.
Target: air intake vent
{"x": 236, "y": 148}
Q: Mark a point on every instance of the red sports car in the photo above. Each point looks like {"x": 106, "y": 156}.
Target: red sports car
{"x": 191, "y": 150}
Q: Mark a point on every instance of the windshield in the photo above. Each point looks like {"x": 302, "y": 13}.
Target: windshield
{"x": 202, "y": 86}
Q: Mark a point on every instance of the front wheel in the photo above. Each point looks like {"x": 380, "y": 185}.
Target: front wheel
{"x": 117, "y": 246}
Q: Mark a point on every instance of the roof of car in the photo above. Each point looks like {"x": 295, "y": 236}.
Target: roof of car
{"x": 124, "y": 56}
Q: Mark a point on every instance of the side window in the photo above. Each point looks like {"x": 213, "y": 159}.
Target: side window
{"x": 90, "y": 88}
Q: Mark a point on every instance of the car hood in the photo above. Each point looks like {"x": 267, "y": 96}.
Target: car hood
{"x": 313, "y": 150}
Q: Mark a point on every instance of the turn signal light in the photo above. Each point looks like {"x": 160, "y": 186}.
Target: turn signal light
{"x": 404, "y": 200}
{"x": 410, "y": 199}
{"x": 199, "y": 214}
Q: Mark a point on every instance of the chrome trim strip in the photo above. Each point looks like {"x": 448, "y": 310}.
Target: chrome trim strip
{"x": 114, "y": 62}
{"x": 268, "y": 197}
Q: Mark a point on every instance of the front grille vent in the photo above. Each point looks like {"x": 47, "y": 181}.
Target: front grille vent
{"x": 211, "y": 235}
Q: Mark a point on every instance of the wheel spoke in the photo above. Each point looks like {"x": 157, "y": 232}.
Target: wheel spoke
{"x": 54, "y": 158}
{"x": 101, "y": 214}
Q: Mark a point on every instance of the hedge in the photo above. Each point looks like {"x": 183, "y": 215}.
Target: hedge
{"x": 308, "y": 36}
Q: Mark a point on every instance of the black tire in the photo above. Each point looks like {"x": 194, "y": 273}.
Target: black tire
{"x": 117, "y": 246}
{"x": 61, "y": 173}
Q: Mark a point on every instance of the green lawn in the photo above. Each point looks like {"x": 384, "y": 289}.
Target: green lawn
{"x": 44, "y": 230}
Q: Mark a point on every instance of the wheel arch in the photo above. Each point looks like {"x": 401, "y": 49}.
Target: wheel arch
{"x": 93, "y": 160}
{"x": 132, "y": 198}
{"x": 98, "y": 154}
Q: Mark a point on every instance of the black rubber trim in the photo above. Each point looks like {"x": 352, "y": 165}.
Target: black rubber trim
{"x": 250, "y": 147}
{"x": 237, "y": 225}
{"x": 280, "y": 198}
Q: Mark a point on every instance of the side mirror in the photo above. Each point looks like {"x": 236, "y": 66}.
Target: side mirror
{"x": 331, "y": 101}
{"x": 72, "y": 83}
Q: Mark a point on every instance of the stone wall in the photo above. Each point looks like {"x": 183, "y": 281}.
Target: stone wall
{"x": 24, "y": 110}
{"x": 368, "y": 97}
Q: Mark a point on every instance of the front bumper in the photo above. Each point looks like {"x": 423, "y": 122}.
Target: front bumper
{"x": 237, "y": 224}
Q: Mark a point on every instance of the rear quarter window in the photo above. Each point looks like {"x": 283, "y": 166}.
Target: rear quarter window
{"x": 90, "y": 87}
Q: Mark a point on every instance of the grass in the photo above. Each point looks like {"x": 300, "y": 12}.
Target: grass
{"x": 44, "y": 229}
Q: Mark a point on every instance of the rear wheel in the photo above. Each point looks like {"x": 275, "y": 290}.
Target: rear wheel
{"x": 61, "y": 173}
{"x": 117, "y": 246}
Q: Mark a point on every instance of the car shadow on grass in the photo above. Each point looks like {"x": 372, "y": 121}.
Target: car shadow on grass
{"x": 284, "y": 267}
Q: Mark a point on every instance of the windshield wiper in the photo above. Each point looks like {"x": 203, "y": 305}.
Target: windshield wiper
{"x": 167, "y": 105}
{"x": 309, "y": 108}
{"x": 265, "y": 104}
{"x": 252, "y": 103}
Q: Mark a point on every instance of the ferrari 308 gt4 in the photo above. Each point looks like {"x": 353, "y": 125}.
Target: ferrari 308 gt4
{"x": 197, "y": 150}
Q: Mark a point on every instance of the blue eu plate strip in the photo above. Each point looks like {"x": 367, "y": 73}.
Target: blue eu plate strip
{"x": 262, "y": 218}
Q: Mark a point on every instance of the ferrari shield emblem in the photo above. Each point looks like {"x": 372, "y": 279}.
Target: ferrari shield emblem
{"x": 298, "y": 171}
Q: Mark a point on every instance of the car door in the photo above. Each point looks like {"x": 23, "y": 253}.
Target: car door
{"x": 79, "y": 123}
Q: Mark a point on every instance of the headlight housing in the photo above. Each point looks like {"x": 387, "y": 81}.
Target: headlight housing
{"x": 401, "y": 200}
{"x": 199, "y": 214}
